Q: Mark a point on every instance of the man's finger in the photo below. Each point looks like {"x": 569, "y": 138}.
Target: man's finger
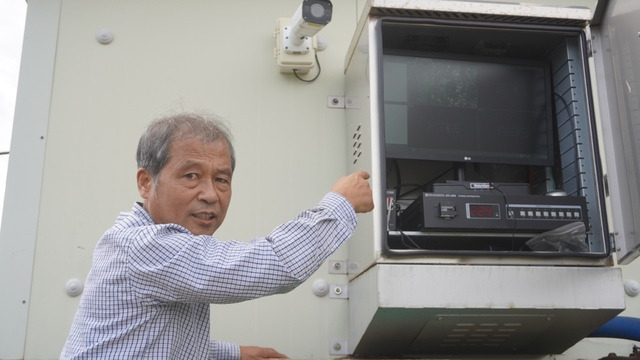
{"x": 363, "y": 174}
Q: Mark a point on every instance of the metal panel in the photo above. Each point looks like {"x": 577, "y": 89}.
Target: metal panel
{"x": 618, "y": 74}
{"x": 25, "y": 173}
{"x": 363, "y": 141}
{"x": 487, "y": 309}
{"x": 93, "y": 126}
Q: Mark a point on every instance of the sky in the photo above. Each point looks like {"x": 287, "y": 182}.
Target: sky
{"x": 12, "y": 19}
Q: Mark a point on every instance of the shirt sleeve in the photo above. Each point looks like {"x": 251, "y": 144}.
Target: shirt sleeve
{"x": 224, "y": 351}
{"x": 170, "y": 264}
{"x": 304, "y": 243}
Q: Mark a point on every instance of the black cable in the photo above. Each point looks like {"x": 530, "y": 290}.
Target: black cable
{"x": 506, "y": 214}
{"x": 566, "y": 104}
{"x": 315, "y": 77}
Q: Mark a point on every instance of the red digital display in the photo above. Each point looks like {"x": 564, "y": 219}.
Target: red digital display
{"x": 483, "y": 210}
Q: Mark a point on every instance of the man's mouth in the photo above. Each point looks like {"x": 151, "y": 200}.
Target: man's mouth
{"x": 204, "y": 216}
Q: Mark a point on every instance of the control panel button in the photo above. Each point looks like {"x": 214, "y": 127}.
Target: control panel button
{"x": 448, "y": 210}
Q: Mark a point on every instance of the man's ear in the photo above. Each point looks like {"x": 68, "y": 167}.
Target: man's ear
{"x": 145, "y": 182}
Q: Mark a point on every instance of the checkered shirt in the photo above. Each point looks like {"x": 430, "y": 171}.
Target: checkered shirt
{"x": 148, "y": 292}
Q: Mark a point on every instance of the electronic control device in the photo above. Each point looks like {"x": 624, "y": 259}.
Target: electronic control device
{"x": 492, "y": 212}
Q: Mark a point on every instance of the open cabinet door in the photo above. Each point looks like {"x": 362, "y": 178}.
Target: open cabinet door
{"x": 617, "y": 65}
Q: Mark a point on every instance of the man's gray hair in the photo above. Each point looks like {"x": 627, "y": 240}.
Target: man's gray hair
{"x": 153, "y": 147}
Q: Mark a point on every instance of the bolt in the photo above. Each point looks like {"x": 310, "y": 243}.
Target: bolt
{"x": 336, "y": 265}
{"x": 337, "y": 290}
{"x": 337, "y": 347}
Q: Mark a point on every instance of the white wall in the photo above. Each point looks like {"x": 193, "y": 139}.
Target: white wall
{"x": 81, "y": 107}
{"x": 171, "y": 55}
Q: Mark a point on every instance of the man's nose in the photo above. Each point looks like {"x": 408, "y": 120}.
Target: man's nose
{"x": 208, "y": 192}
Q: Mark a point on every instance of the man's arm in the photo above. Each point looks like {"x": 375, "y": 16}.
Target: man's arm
{"x": 258, "y": 353}
{"x": 184, "y": 268}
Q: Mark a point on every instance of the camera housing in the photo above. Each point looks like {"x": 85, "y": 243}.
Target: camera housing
{"x": 310, "y": 17}
{"x": 296, "y": 44}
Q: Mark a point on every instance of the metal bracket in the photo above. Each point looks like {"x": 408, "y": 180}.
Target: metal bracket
{"x": 336, "y": 102}
{"x": 338, "y": 347}
{"x": 352, "y": 102}
{"x": 338, "y": 267}
{"x": 339, "y": 291}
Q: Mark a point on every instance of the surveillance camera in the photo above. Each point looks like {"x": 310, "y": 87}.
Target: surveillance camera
{"x": 310, "y": 17}
{"x": 296, "y": 43}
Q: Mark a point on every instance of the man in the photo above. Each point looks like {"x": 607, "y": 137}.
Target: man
{"x": 156, "y": 271}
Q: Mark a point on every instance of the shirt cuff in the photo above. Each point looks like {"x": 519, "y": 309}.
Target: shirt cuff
{"x": 342, "y": 207}
{"x": 224, "y": 350}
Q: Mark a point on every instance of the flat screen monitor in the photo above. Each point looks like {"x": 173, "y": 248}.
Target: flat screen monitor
{"x": 467, "y": 109}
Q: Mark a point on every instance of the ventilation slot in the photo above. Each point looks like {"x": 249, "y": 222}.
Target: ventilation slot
{"x": 356, "y": 144}
{"x": 480, "y": 334}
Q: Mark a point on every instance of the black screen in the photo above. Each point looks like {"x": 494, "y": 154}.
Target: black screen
{"x": 469, "y": 110}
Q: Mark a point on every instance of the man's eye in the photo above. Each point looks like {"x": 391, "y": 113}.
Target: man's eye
{"x": 191, "y": 176}
{"x": 222, "y": 180}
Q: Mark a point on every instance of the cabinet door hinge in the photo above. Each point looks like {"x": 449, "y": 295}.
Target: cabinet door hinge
{"x": 612, "y": 242}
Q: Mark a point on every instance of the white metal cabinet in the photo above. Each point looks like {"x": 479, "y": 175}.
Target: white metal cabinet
{"x": 394, "y": 290}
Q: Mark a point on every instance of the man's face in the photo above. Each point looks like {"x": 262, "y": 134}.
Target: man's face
{"x": 193, "y": 188}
